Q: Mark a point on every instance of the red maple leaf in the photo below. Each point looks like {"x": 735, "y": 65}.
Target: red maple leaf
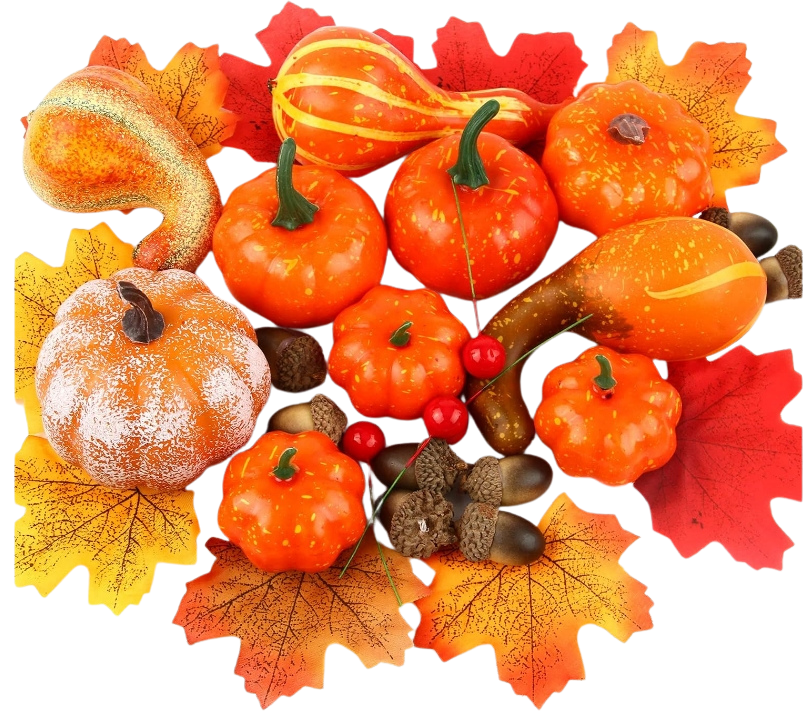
{"x": 545, "y": 66}
{"x": 734, "y": 455}
{"x": 248, "y": 94}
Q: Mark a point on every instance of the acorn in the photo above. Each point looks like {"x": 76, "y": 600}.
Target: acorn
{"x": 783, "y": 274}
{"x": 757, "y": 232}
{"x": 419, "y": 522}
{"x": 320, "y": 413}
{"x": 486, "y": 533}
{"x": 511, "y": 480}
{"x": 436, "y": 468}
{"x": 296, "y": 359}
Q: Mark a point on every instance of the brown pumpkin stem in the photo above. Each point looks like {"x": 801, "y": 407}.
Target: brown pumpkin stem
{"x": 629, "y": 129}
{"x": 142, "y": 323}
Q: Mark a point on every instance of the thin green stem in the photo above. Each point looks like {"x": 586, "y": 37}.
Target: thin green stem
{"x": 380, "y": 503}
{"x": 524, "y": 357}
{"x": 389, "y": 577}
{"x": 466, "y": 249}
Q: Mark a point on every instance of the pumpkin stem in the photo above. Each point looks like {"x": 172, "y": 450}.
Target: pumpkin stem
{"x": 294, "y": 209}
{"x": 143, "y": 323}
{"x": 401, "y": 337}
{"x": 469, "y": 170}
{"x": 629, "y": 129}
{"x": 284, "y": 469}
{"x": 604, "y": 380}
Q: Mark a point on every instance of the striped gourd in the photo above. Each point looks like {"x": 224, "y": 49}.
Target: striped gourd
{"x": 353, "y": 102}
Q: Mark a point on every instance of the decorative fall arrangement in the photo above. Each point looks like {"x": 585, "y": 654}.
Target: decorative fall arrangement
{"x": 135, "y": 378}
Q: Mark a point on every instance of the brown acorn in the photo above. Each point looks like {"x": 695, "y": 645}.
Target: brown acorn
{"x": 419, "y": 522}
{"x": 757, "y": 232}
{"x": 296, "y": 359}
{"x": 320, "y": 413}
{"x": 512, "y": 480}
{"x": 486, "y": 533}
{"x": 436, "y": 468}
{"x": 783, "y": 274}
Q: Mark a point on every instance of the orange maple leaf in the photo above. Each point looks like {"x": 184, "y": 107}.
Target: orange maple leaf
{"x": 119, "y": 535}
{"x": 286, "y": 620}
{"x": 40, "y": 289}
{"x": 531, "y": 614}
{"x": 708, "y": 81}
{"x": 191, "y": 86}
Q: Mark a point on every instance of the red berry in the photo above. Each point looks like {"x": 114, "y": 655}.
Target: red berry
{"x": 484, "y": 357}
{"x": 446, "y": 417}
{"x": 363, "y": 441}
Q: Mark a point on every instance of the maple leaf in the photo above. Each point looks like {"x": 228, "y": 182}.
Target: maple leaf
{"x": 734, "y": 454}
{"x": 39, "y": 290}
{"x": 119, "y": 535}
{"x": 248, "y": 94}
{"x": 192, "y": 86}
{"x": 545, "y": 66}
{"x": 286, "y": 620}
{"x": 531, "y": 614}
{"x": 708, "y": 82}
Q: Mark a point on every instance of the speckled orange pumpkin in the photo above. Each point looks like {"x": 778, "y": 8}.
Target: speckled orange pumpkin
{"x": 149, "y": 413}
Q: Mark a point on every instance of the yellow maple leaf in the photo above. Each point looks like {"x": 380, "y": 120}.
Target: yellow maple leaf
{"x": 287, "y": 619}
{"x": 119, "y": 535}
{"x": 39, "y": 290}
{"x": 191, "y": 86}
{"x": 531, "y": 614}
{"x": 708, "y": 81}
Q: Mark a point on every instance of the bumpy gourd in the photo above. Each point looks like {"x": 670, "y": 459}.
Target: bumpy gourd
{"x": 100, "y": 140}
{"x": 154, "y": 410}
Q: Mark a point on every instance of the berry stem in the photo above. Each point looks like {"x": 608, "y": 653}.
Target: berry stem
{"x": 524, "y": 357}
{"x": 380, "y": 503}
{"x": 468, "y": 254}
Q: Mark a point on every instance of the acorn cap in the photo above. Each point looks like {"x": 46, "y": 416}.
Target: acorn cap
{"x": 320, "y": 414}
{"x": 421, "y": 524}
{"x": 484, "y": 483}
{"x": 783, "y": 274}
{"x": 717, "y": 215}
{"x": 328, "y": 418}
{"x": 475, "y": 531}
{"x": 437, "y": 467}
{"x": 512, "y": 480}
{"x": 295, "y": 358}
{"x": 486, "y": 533}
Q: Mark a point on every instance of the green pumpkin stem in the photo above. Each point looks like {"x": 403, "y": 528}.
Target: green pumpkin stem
{"x": 294, "y": 209}
{"x": 469, "y": 170}
{"x": 284, "y": 469}
{"x": 401, "y": 337}
{"x": 604, "y": 380}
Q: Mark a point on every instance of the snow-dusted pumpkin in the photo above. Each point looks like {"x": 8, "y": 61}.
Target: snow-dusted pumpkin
{"x": 148, "y": 378}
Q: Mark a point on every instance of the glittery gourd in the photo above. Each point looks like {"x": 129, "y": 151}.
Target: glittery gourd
{"x": 102, "y": 140}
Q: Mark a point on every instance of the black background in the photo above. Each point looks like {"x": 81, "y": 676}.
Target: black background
{"x": 724, "y": 635}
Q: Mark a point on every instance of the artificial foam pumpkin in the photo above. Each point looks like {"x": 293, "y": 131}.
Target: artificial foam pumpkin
{"x": 147, "y": 378}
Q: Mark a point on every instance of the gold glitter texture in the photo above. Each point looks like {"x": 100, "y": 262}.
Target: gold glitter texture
{"x": 102, "y": 140}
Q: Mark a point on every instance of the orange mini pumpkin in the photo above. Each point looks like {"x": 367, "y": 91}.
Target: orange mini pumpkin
{"x": 147, "y": 378}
